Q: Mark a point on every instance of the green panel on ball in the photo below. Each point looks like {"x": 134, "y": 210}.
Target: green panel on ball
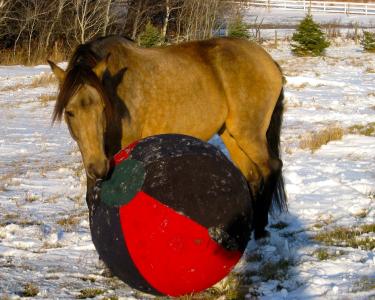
{"x": 126, "y": 181}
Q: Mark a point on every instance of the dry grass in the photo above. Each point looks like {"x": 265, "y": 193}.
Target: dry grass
{"x": 45, "y": 98}
{"x": 48, "y": 245}
{"x": 229, "y": 290}
{"x": 69, "y": 223}
{"x": 367, "y": 130}
{"x": 254, "y": 257}
{"x": 20, "y": 57}
{"x": 89, "y": 293}
{"x": 280, "y": 225}
{"x": 30, "y": 290}
{"x": 275, "y": 270}
{"x": 29, "y": 197}
{"x": 364, "y": 284}
{"x": 348, "y": 237}
{"x": 324, "y": 254}
{"x": 370, "y": 70}
{"x": 313, "y": 141}
{"x": 41, "y": 80}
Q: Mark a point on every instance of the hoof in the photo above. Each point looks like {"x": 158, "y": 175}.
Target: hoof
{"x": 261, "y": 234}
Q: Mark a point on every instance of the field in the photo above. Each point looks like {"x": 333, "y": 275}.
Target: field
{"x": 322, "y": 249}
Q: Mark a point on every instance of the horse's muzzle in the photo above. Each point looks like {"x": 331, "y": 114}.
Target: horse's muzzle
{"x": 98, "y": 170}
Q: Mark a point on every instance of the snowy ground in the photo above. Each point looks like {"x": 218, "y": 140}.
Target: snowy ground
{"x": 330, "y": 188}
{"x": 44, "y": 233}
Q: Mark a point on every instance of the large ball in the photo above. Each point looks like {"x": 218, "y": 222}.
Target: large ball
{"x": 174, "y": 216}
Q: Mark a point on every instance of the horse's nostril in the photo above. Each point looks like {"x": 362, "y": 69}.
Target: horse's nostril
{"x": 98, "y": 170}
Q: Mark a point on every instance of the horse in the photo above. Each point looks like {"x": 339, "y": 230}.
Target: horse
{"x": 114, "y": 92}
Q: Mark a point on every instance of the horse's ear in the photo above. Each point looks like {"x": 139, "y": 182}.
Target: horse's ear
{"x": 101, "y": 66}
{"x": 59, "y": 73}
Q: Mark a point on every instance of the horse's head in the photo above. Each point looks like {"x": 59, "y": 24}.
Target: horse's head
{"x": 86, "y": 109}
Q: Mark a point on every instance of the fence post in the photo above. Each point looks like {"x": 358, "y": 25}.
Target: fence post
{"x": 275, "y": 38}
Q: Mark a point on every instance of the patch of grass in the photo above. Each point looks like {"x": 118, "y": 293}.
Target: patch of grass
{"x": 89, "y": 293}
{"x": 91, "y": 279}
{"x": 45, "y": 98}
{"x": 12, "y": 218}
{"x": 364, "y": 284}
{"x": 367, "y": 130}
{"x": 324, "y": 254}
{"x": 68, "y": 223}
{"x": 48, "y": 245}
{"x": 44, "y": 79}
{"x": 348, "y": 237}
{"x": 367, "y": 228}
{"x": 321, "y": 254}
{"x": 370, "y": 70}
{"x": 30, "y": 290}
{"x": 41, "y": 80}
{"x": 275, "y": 270}
{"x": 31, "y": 197}
{"x": 254, "y": 257}
{"x": 317, "y": 139}
{"x": 230, "y": 289}
{"x": 280, "y": 225}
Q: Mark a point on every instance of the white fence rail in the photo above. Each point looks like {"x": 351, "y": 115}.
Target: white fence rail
{"x": 319, "y": 6}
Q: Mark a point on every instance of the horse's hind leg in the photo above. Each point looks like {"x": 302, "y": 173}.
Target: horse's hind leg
{"x": 241, "y": 160}
{"x": 262, "y": 170}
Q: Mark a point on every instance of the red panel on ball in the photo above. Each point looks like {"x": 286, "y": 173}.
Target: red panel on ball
{"x": 172, "y": 252}
{"x": 124, "y": 153}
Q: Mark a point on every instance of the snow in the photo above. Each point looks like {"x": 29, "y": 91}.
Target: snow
{"x": 282, "y": 17}
{"x": 42, "y": 184}
{"x": 333, "y": 185}
{"x": 284, "y": 22}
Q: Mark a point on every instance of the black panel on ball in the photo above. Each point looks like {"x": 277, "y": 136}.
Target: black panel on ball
{"x": 109, "y": 242}
{"x": 198, "y": 180}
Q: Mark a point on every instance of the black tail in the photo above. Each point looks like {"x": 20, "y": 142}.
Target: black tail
{"x": 279, "y": 199}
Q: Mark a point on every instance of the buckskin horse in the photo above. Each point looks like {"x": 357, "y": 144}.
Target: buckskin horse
{"x": 114, "y": 92}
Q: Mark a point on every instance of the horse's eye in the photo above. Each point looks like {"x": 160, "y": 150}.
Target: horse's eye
{"x": 69, "y": 114}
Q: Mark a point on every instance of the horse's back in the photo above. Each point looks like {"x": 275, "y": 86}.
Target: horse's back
{"x": 206, "y": 82}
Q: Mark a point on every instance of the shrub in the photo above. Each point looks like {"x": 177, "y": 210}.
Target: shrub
{"x": 238, "y": 28}
{"x": 150, "y": 37}
{"x": 309, "y": 39}
{"x": 368, "y": 41}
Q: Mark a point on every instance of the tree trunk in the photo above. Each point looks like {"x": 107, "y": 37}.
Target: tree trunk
{"x": 106, "y": 17}
{"x": 166, "y": 19}
{"x": 137, "y": 19}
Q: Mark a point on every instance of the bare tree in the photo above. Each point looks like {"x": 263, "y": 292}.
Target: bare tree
{"x": 89, "y": 18}
{"x": 192, "y": 25}
{"x": 140, "y": 12}
{"x": 170, "y": 6}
